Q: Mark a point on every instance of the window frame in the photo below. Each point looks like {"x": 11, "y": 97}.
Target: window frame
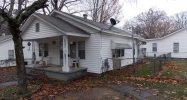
{"x": 73, "y": 55}
{"x": 82, "y": 49}
{"x": 175, "y": 48}
{"x": 154, "y": 48}
{"x": 37, "y": 27}
{"x": 45, "y": 50}
{"x": 11, "y": 55}
{"x": 118, "y": 53}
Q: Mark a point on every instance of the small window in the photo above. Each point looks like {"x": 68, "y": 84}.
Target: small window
{"x": 10, "y": 54}
{"x": 155, "y": 47}
{"x": 81, "y": 48}
{"x": 118, "y": 53}
{"x": 43, "y": 50}
{"x": 37, "y": 26}
{"x": 175, "y": 47}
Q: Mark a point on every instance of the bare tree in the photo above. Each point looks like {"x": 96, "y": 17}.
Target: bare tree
{"x": 102, "y": 10}
{"x": 14, "y": 24}
{"x": 152, "y": 24}
{"x": 60, "y": 5}
{"x": 180, "y": 20}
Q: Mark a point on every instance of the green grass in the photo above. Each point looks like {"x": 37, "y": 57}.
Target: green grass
{"x": 12, "y": 92}
{"x": 144, "y": 71}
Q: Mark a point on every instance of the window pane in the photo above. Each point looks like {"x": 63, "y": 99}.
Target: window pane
{"x": 37, "y": 27}
{"x": 81, "y": 48}
{"x": 176, "y": 47}
{"x": 82, "y": 54}
{"x": 40, "y": 50}
{"x": 73, "y": 50}
{"x": 10, "y": 54}
{"x": 122, "y": 52}
{"x": 154, "y": 47}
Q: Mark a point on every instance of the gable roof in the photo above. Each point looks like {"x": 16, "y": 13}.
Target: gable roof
{"x": 167, "y": 35}
{"x": 5, "y": 38}
{"x": 100, "y": 26}
{"x": 60, "y": 24}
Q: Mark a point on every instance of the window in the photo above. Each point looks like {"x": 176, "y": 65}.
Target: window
{"x": 10, "y": 54}
{"x": 37, "y": 27}
{"x": 81, "y": 48}
{"x": 176, "y": 47}
{"x": 43, "y": 50}
{"x": 73, "y": 50}
{"x": 118, "y": 53}
{"x": 155, "y": 47}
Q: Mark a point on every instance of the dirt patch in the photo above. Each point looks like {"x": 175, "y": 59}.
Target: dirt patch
{"x": 98, "y": 93}
{"x": 8, "y": 74}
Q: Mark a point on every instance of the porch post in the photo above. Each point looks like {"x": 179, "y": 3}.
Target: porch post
{"x": 65, "y": 54}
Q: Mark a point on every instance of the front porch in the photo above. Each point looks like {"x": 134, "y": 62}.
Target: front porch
{"x": 56, "y": 71}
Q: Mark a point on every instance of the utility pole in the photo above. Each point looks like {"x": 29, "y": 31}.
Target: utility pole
{"x": 133, "y": 50}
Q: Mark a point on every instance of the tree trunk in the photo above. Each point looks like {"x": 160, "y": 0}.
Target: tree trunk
{"x": 21, "y": 72}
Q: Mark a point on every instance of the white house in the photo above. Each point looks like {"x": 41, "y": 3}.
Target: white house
{"x": 7, "y": 50}
{"x": 63, "y": 37}
{"x": 176, "y": 43}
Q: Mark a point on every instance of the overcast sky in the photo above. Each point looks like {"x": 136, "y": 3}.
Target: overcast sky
{"x": 171, "y": 7}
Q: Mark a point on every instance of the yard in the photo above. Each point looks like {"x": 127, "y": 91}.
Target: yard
{"x": 167, "y": 85}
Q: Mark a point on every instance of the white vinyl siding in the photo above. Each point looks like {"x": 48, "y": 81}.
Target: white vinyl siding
{"x": 166, "y": 45}
{"x": 92, "y": 54}
{"x": 106, "y": 51}
{"x": 175, "y": 47}
{"x": 44, "y": 31}
{"x": 9, "y": 45}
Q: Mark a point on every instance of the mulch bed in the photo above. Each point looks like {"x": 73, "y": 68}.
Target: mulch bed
{"x": 8, "y": 74}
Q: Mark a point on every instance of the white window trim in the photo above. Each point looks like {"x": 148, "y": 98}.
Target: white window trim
{"x": 174, "y": 48}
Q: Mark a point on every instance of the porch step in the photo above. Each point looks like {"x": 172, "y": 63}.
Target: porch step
{"x": 34, "y": 74}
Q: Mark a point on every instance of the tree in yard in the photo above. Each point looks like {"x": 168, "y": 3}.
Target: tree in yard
{"x": 60, "y": 5}
{"x": 151, "y": 24}
{"x": 180, "y": 20}
{"x": 14, "y": 23}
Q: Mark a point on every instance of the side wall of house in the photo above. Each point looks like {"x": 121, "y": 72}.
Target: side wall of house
{"x": 106, "y": 51}
{"x": 92, "y": 51}
{"x": 166, "y": 45}
{"x": 9, "y": 45}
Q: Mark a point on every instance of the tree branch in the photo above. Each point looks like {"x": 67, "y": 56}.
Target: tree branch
{"x": 30, "y": 10}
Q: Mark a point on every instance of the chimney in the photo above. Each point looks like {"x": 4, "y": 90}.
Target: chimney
{"x": 85, "y": 16}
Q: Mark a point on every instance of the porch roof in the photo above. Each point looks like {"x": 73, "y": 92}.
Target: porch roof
{"x": 59, "y": 23}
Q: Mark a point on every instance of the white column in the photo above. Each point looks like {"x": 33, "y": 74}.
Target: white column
{"x": 65, "y": 54}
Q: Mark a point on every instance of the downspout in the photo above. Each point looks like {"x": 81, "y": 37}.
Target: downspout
{"x": 100, "y": 49}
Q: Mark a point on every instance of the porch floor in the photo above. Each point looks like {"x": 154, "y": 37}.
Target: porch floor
{"x": 52, "y": 67}
{"x": 55, "y": 71}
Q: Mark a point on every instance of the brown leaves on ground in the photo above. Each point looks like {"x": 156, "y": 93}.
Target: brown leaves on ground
{"x": 8, "y": 74}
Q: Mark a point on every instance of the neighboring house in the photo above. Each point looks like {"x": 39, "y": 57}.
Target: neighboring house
{"x": 64, "y": 37}
{"x": 176, "y": 43}
{"x": 7, "y": 50}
